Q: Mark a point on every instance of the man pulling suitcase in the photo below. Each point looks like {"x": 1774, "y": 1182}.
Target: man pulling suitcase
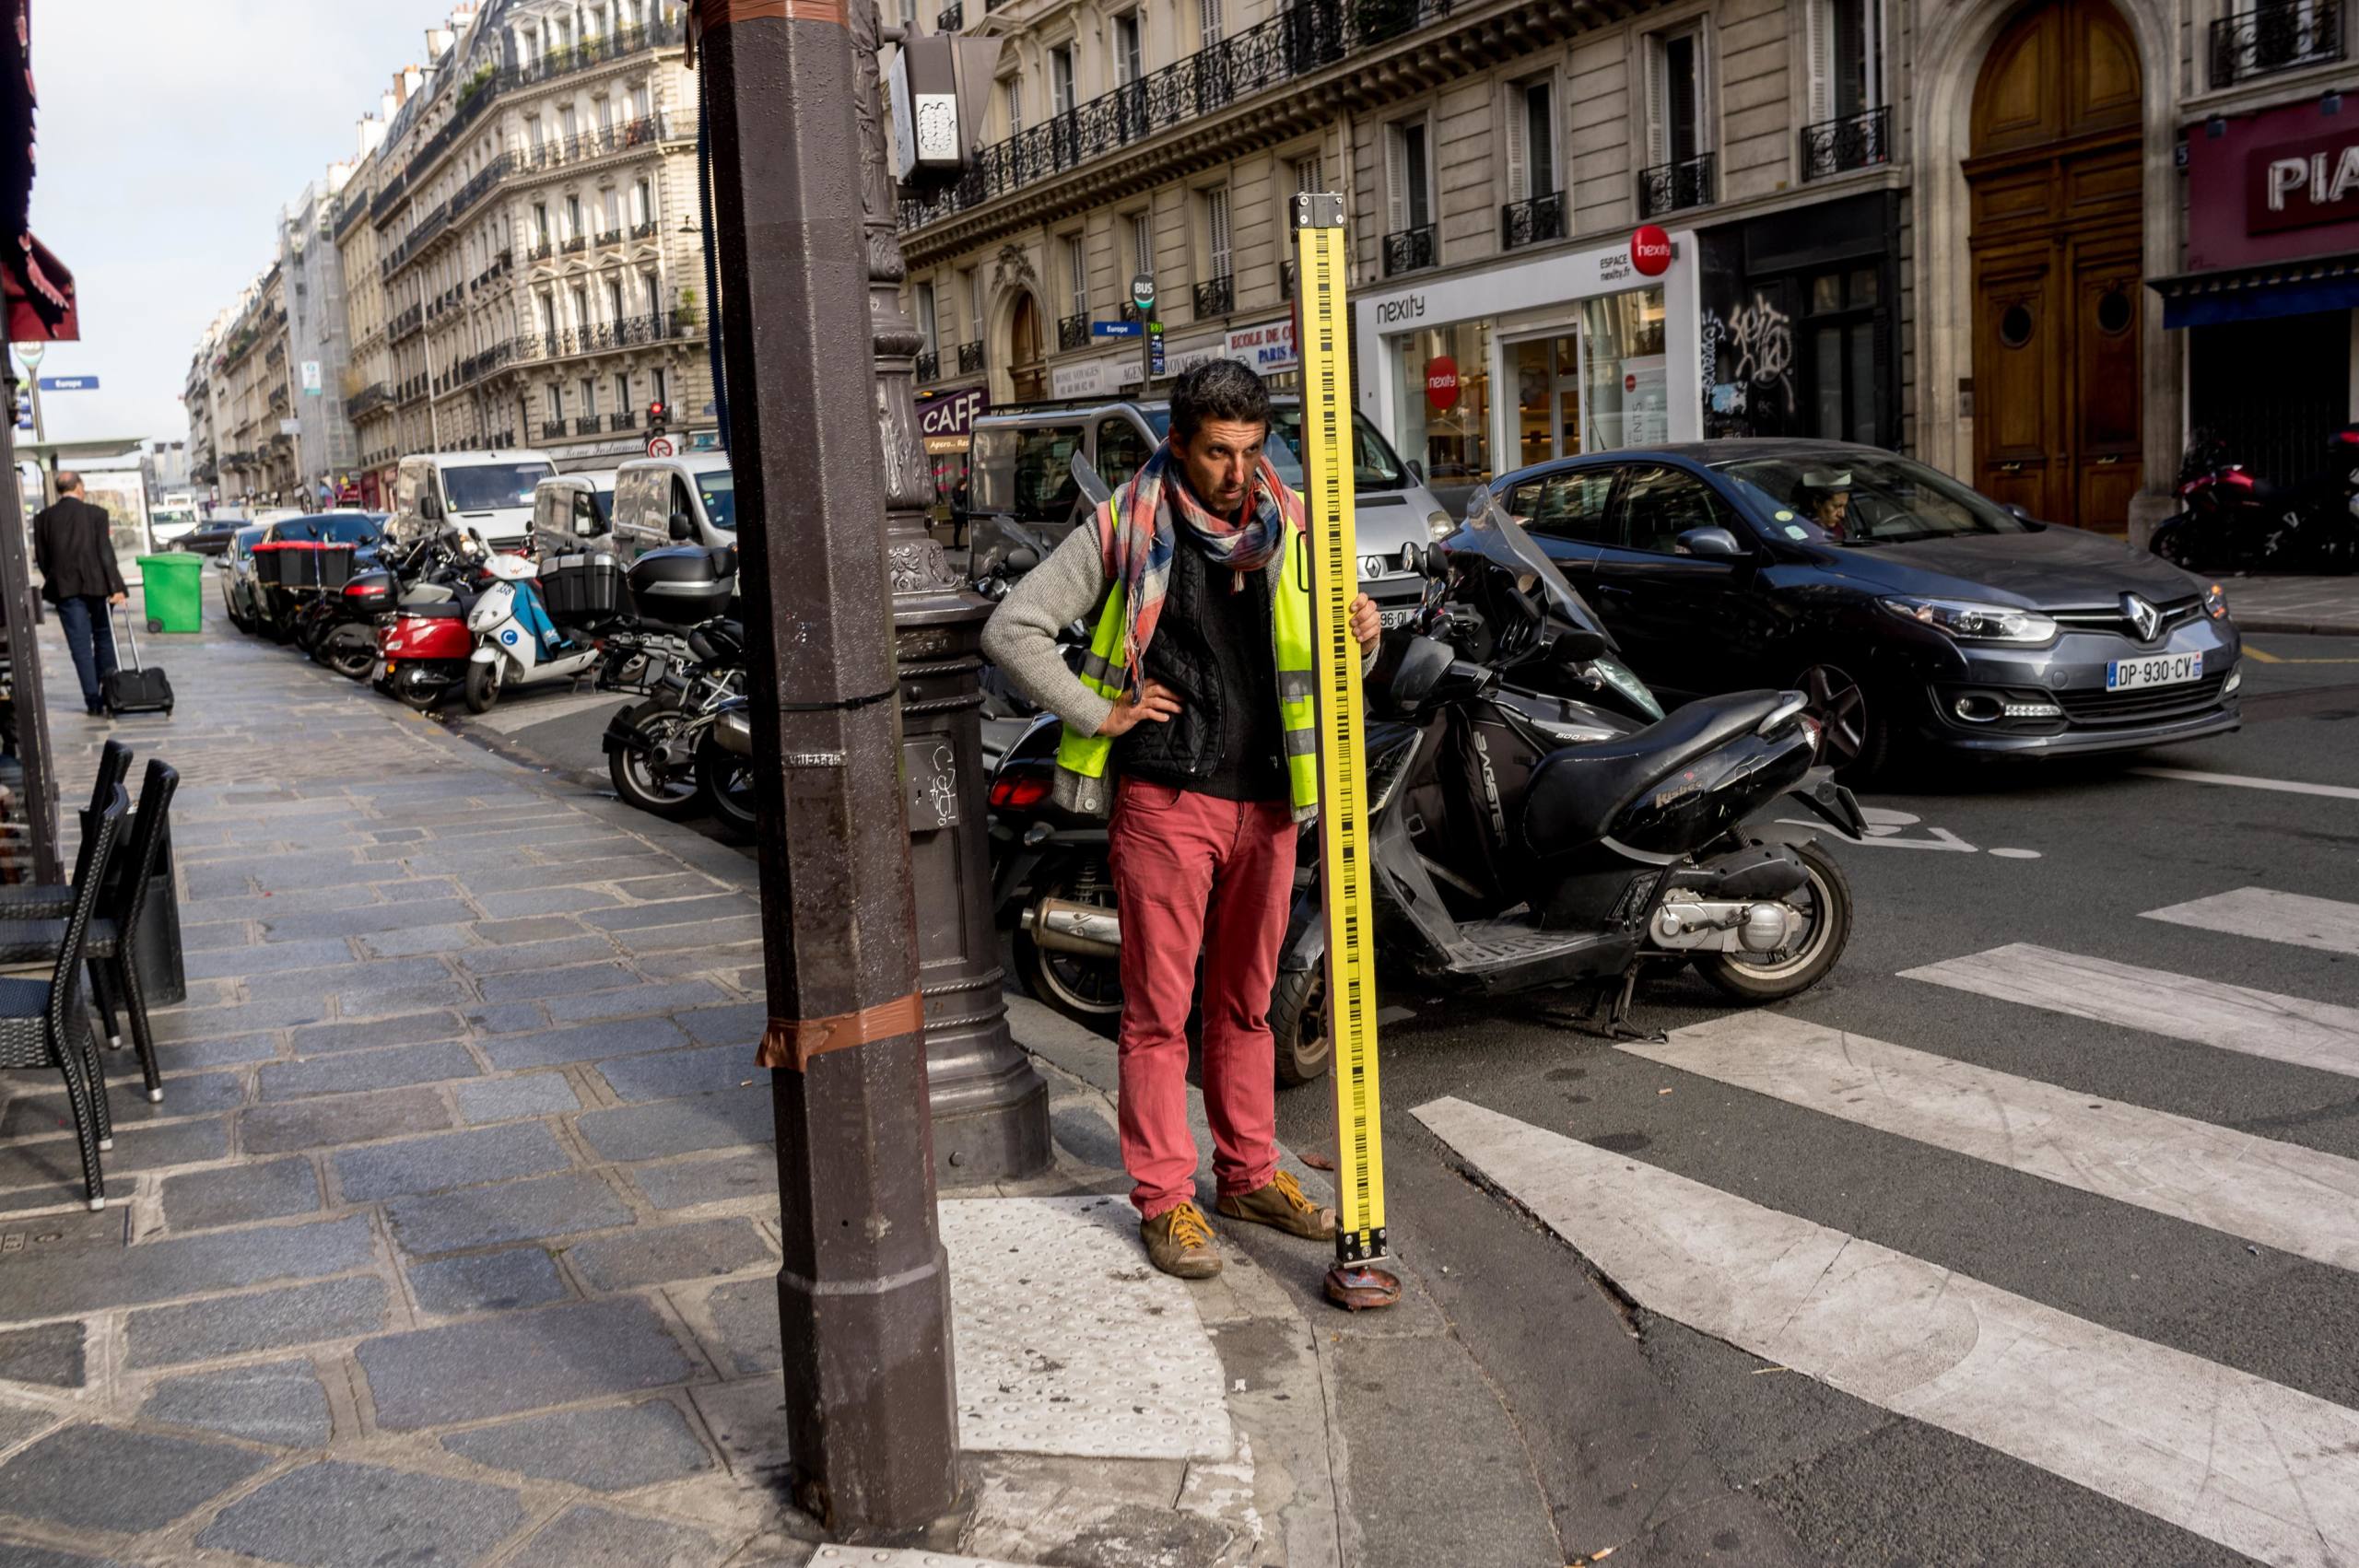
{"x": 76, "y": 554}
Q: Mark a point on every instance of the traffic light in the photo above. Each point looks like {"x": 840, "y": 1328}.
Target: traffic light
{"x": 657, "y": 412}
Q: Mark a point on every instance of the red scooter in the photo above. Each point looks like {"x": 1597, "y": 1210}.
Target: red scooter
{"x": 423, "y": 645}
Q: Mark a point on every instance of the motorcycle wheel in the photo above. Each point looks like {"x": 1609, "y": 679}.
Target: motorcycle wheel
{"x": 1088, "y": 990}
{"x": 725, "y": 789}
{"x": 668, "y": 796}
{"x": 2174, "y": 546}
{"x": 1769, "y": 978}
{"x": 353, "y": 661}
{"x": 1299, "y": 1025}
{"x": 483, "y": 687}
{"x": 414, "y": 690}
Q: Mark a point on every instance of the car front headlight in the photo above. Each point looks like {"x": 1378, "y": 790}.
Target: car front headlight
{"x": 1438, "y": 524}
{"x": 2215, "y": 602}
{"x": 1970, "y": 621}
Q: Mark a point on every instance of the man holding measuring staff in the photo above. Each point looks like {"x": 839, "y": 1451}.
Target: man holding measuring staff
{"x": 1192, "y": 723}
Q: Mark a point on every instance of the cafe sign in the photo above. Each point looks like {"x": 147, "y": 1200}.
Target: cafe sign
{"x": 948, "y": 420}
{"x": 2297, "y": 183}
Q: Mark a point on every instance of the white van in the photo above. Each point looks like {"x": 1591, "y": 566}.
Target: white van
{"x": 488, "y": 494}
{"x": 688, "y": 499}
{"x": 573, "y": 511}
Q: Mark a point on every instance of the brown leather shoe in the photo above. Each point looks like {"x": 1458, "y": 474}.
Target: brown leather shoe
{"x": 1180, "y": 1242}
{"x": 1281, "y": 1204}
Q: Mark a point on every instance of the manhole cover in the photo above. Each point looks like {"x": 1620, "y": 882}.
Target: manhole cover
{"x": 43, "y": 1235}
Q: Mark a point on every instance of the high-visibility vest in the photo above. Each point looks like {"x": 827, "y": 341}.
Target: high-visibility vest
{"x": 1081, "y": 784}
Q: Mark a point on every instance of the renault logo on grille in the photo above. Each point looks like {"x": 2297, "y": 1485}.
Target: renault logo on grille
{"x": 2143, "y": 617}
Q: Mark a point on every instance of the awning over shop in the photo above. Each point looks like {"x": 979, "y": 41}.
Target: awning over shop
{"x": 2254, "y": 293}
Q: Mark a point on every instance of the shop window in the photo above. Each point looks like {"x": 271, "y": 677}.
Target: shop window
{"x": 1625, "y": 399}
{"x": 1443, "y": 404}
{"x": 1122, "y": 450}
{"x": 1548, "y": 397}
{"x": 1841, "y": 362}
{"x": 1659, "y": 504}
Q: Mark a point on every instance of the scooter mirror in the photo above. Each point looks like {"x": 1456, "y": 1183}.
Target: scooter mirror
{"x": 1576, "y": 646}
{"x": 1023, "y": 558}
{"x": 1417, "y": 669}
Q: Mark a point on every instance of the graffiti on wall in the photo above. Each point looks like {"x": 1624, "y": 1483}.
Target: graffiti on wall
{"x": 1750, "y": 365}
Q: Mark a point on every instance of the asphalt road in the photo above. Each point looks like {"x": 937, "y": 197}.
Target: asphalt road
{"x": 2011, "y": 1152}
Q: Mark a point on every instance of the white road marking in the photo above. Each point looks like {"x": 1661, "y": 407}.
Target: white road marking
{"x": 516, "y": 713}
{"x": 2261, "y": 1468}
{"x": 2289, "y": 1198}
{"x": 2230, "y": 1018}
{"x": 2283, "y": 786}
{"x": 2273, "y": 916}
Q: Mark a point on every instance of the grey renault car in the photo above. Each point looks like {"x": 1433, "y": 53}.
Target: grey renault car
{"x": 1918, "y": 615}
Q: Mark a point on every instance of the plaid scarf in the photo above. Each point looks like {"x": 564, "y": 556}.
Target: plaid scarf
{"x": 1156, "y": 505}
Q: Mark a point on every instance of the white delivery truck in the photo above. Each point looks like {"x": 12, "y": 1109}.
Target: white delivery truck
{"x": 487, "y": 493}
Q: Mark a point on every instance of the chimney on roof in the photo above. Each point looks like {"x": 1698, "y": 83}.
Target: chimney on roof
{"x": 438, "y": 44}
{"x": 372, "y": 134}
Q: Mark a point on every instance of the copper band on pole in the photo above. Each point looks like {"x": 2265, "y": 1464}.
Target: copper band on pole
{"x": 793, "y": 1042}
{"x": 711, "y": 14}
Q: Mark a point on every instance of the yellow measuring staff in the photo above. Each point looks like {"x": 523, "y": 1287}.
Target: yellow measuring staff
{"x": 1321, "y": 257}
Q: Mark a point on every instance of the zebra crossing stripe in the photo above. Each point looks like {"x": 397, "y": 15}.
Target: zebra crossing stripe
{"x": 2292, "y": 1199}
{"x": 2233, "y": 1018}
{"x": 2258, "y": 1467}
{"x": 2293, "y": 918}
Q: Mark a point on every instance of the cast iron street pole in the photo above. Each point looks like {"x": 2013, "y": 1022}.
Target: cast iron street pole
{"x": 22, "y": 611}
{"x": 864, "y": 1292}
{"x": 990, "y": 1109}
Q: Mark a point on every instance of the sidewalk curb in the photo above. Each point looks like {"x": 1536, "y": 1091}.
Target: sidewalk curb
{"x": 2288, "y": 626}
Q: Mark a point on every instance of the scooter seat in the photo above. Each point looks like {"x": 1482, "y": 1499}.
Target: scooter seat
{"x": 1576, "y": 793}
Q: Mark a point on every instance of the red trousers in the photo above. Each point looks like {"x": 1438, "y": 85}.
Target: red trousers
{"x": 1197, "y": 875}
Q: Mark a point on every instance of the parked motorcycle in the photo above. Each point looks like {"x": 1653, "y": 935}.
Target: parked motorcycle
{"x": 1521, "y": 839}
{"x": 422, "y": 643}
{"x": 652, "y": 746}
{"x": 2236, "y": 520}
{"x": 516, "y": 642}
{"x": 343, "y": 634}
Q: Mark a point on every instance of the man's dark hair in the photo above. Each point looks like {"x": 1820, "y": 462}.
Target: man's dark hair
{"x": 1218, "y": 389}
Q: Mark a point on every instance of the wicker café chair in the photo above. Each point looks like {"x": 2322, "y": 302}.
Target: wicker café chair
{"x": 41, "y": 1022}
{"x": 111, "y": 947}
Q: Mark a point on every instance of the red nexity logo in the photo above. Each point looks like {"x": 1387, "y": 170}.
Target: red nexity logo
{"x": 1651, "y": 250}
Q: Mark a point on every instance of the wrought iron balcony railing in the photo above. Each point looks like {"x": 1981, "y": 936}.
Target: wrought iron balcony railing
{"x": 587, "y": 425}
{"x": 643, "y": 230}
{"x": 2275, "y": 35}
{"x": 929, "y": 365}
{"x": 576, "y": 245}
{"x": 1307, "y": 36}
{"x": 1410, "y": 250}
{"x": 609, "y": 236}
{"x": 1073, "y": 332}
{"x": 1667, "y": 187}
{"x": 1216, "y": 296}
{"x": 542, "y": 250}
{"x": 1856, "y": 141}
{"x": 971, "y": 357}
{"x": 951, "y": 18}
{"x": 1532, "y": 221}
{"x": 623, "y": 421}
{"x": 551, "y": 429}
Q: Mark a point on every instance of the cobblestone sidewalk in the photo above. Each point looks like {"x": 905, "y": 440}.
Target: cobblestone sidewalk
{"x": 452, "y": 1240}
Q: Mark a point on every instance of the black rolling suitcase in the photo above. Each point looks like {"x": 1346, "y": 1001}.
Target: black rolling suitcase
{"x": 139, "y": 689}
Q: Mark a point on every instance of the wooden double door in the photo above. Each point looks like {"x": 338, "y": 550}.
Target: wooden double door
{"x": 2057, "y": 181}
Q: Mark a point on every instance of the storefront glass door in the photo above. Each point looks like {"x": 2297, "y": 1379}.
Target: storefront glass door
{"x": 1626, "y": 398}
{"x": 1548, "y": 397}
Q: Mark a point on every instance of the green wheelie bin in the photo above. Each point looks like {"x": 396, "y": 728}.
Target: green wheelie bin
{"x": 173, "y": 588}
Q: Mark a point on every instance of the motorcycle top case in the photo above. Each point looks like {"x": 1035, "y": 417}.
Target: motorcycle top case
{"x": 684, "y": 585}
{"x": 584, "y": 587}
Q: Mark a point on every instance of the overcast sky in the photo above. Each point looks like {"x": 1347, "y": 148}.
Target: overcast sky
{"x": 170, "y": 134}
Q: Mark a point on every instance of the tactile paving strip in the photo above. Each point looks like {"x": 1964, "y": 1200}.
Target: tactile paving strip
{"x": 1070, "y": 1342}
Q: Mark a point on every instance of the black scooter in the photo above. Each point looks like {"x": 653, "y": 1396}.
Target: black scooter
{"x": 1522, "y": 839}
{"x": 2238, "y": 520}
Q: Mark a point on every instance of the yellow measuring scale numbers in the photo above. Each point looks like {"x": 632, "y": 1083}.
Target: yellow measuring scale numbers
{"x": 1320, "y": 253}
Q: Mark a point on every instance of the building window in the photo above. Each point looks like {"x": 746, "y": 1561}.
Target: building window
{"x": 975, "y": 304}
{"x": 1675, "y": 98}
{"x": 1531, "y": 140}
{"x": 573, "y": 218}
{"x": 1011, "y": 91}
{"x": 580, "y": 306}
{"x": 622, "y": 392}
{"x": 655, "y": 291}
{"x": 925, "y": 316}
{"x": 1846, "y": 58}
{"x": 1845, "y": 390}
{"x": 566, "y": 125}
{"x": 660, "y": 384}
{"x": 1309, "y": 175}
{"x": 615, "y": 298}
{"x": 548, "y": 314}
{"x": 589, "y": 398}
{"x": 556, "y": 404}
{"x": 642, "y": 203}
{"x": 1142, "y": 242}
{"x": 541, "y": 224}
{"x": 1207, "y": 23}
{"x": 1077, "y": 272}
{"x": 1127, "y": 63}
{"x": 1061, "y": 79}
{"x": 1217, "y": 252}
{"x": 1408, "y": 177}
{"x": 534, "y": 135}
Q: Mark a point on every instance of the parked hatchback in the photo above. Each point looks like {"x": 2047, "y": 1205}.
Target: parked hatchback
{"x": 1914, "y": 613}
